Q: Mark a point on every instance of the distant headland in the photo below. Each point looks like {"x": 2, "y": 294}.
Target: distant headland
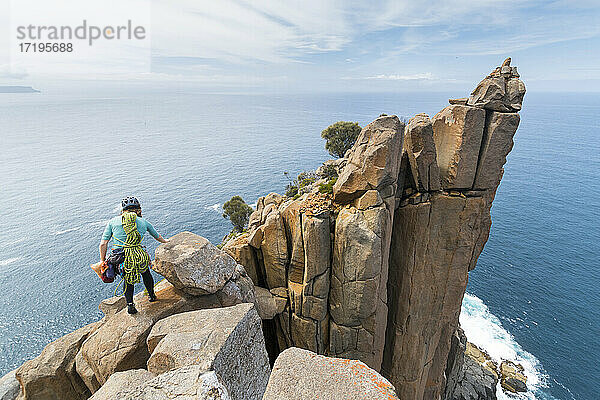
{"x": 18, "y": 89}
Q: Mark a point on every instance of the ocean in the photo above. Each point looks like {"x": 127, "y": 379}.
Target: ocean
{"x": 68, "y": 158}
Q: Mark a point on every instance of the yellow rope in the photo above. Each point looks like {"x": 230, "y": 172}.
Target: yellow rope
{"x": 137, "y": 259}
{"x": 115, "y": 292}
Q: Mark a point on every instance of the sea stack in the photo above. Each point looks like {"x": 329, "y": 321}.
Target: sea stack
{"x": 379, "y": 273}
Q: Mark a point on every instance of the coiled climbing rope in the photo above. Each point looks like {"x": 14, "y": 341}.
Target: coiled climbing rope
{"x": 137, "y": 259}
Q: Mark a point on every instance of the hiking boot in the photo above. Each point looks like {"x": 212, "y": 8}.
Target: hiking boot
{"x": 151, "y": 297}
{"x": 131, "y": 308}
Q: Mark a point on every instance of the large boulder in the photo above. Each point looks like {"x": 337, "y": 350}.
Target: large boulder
{"x": 191, "y": 382}
{"x": 513, "y": 377}
{"x": 373, "y": 161}
{"x": 52, "y": 375}
{"x": 9, "y": 386}
{"x": 457, "y": 132}
{"x": 226, "y": 340}
{"x": 121, "y": 383}
{"x": 303, "y": 375}
{"x": 120, "y": 343}
{"x": 193, "y": 264}
{"x": 267, "y": 304}
{"x": 475, "y": 378}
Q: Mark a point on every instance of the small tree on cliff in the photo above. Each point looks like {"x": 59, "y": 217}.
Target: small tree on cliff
{"x": 340, "y": 137}
{"x": 238, "y": 212}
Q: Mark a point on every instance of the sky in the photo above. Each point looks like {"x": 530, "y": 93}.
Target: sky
{"x": 314, "y": 45}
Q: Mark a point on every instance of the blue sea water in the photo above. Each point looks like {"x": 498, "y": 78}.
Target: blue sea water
{"x": 68, "y": 159}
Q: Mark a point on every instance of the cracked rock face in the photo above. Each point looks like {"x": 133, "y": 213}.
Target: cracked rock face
{"x": 380, "y": 275}
{"x": 186, "y": 383}
{"x": 226, "y": 340}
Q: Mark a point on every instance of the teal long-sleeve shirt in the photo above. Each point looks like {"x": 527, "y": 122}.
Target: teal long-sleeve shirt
{"x": 115, "y": 228}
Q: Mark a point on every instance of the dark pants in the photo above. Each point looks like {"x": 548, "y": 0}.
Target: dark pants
{"x": 148, "y": 282}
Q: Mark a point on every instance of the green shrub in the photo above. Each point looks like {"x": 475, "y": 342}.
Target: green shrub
{"x": 303, "y": 180}
{"x": 233, "y": 233}
{"x": 328, "y": 187}
{"x": 238, "y": 212}
{"x": 329, "y": 171}
{"x": 340, "y": 137}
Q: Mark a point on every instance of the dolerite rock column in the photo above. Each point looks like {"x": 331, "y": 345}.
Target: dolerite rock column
{"x": 363, "y": 233}
{"x": 439, "y": 234}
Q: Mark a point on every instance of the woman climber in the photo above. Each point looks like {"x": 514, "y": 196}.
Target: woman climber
{"x": 127, "y": 230}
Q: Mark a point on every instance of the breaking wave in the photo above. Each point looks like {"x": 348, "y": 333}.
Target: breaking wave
{"x": 9, "y": 261}
{"x": 485, "y": 330}
{"x": 214, "y": 207}
{"x": 66, "y": 230}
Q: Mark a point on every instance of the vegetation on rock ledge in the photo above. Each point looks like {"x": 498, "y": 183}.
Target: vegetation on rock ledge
{"x": 340, "y": 137}
{"x": 238, "y": 212}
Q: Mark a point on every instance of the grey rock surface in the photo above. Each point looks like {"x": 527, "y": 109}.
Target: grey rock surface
{"x": 475, "y": 383}
{"x": 501, "y": 90}
{"x": 193, "y": 264}
{"x": 120, "y": 384}
{"x": 9, "y": 386}
{"x": 227, "y": 340}
{"x": 186, "y": 383}
{"x": 303, "y": 375}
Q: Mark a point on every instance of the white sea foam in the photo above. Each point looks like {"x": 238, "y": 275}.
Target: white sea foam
{"x": 13, "y": 242}
{"x": 67, "y": 230}
{"x": 214, "y": 207}
{"x": 9, "y": 261}
{"x": 485, "y": 330}
{"x": 99, "y": 223}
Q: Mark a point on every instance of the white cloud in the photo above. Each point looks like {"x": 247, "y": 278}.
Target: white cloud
{"x": 397, "y": 77}
{"x": 236, "y": 32}
{"x": 258, "y": 39}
